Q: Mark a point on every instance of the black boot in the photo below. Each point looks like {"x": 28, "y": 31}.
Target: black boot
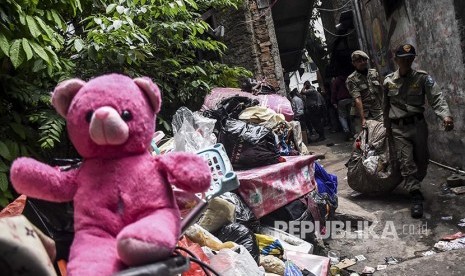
{"x": 417, "y": 204}
{"x": 349, "y": 136}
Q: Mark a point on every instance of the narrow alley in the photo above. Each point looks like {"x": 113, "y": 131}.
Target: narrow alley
{"x": 407, "y": 240}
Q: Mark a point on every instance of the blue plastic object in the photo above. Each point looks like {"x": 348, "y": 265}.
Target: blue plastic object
{"x": 223, "y": 177}
{"x": 327, "y": 183}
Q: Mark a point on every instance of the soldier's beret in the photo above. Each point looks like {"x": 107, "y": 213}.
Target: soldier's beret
{"x": 359, "y": 54}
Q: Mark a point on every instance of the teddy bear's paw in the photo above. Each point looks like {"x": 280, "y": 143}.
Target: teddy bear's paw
{"x": 135, "y": 252}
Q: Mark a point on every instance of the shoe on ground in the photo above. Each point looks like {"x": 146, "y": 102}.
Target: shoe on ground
{"x": 349, "y": 136}
{"x": 416, "y": 210}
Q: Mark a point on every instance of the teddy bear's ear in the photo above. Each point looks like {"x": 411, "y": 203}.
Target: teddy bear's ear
{"x": 64, "y": 94}
{"x": 151, "y": 90}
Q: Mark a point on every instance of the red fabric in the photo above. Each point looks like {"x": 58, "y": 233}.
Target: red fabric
{"x": 452, "y": 237}
{"x": 195, "y": 269}
{"x": 15, "y": 208}
{"x": 275, "y": 102}
{"x": 268, "y": 188}
{"x": 339, "y": 90}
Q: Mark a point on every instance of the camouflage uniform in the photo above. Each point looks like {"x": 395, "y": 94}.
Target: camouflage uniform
{"x": 406, "y": 98}
{"x": 368, "y": 89}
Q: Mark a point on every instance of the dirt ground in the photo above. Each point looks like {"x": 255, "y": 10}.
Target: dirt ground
{"x": 404, "y": 238}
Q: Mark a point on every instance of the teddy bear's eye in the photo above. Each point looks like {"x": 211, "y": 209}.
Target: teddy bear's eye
{"x": 89, "y": 116}
{"x": 126, "y": 115}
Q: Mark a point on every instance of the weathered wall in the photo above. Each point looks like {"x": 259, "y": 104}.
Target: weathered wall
{"x": 384, "y": 34}
{"x": 251, "y": 41}
{"x": 460, "y": 13}
{"x": 432, "y": 27}
{"x": 242, "y": 51}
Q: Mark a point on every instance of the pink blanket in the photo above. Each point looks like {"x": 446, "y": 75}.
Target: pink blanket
{"x": 265, "y": 189}
{"x": 275, "y": 102}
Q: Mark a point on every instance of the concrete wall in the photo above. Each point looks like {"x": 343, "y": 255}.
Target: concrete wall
{"x": 432, "y": 26}
{"x": 460, "y": 14}
{"x": 251, "y": 41}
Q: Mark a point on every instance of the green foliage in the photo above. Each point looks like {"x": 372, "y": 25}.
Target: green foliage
{"x": 51, "y": 127}
{"x": 20, "y": 100}
{"x": 31, "y": 37}
{"x": 161, "y": 39}
{"x": 44, "y": 42}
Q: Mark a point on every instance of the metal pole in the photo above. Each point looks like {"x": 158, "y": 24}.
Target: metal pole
{"x": 446, "y": 167}
{"x": 359, "y": 25}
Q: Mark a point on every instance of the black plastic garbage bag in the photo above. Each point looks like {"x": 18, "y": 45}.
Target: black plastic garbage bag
{"x": 53, "y": 219}
{"x": 257, "y": 87}
{"x": 248, "y": 145}
{"x": 234, "y": 106}
{"x": 241, "y": 235}
{"x": 244, "y": 215}
{"x": 295, "y": 211}
{"x": 229, "y": 108}
{"x": 56, "y": 220}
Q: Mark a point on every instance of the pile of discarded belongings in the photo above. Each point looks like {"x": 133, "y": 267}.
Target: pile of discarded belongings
{"x": 256, "y": 229}
{"x": 281, "y": 186}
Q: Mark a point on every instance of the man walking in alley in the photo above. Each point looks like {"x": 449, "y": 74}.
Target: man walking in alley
{"x": 342, "y": 102}
{"x": 405, "y": 93}
{"x": 314, "y": 109}
{"x": 364, "y": 86}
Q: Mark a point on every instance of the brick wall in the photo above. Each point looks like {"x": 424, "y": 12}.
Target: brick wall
{"x": 251, "y": 41}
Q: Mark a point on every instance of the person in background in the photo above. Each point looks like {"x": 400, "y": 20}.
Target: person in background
{"x": 342, "y": 101}
{"x": 299, "y": 111}
{"x": 364, "y": 86}
{"x": 314, "y": 108}
{"x": 297, "y": 105}
{"x": 324, "y": 117}
{"x": 325, "y": 100}
{"x": 332, "y": 112}
{"x": 405, "y": 93}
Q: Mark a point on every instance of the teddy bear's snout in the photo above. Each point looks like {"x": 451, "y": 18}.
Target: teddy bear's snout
{"x": 102, "y": 113}
{"x": 107, "y": 127}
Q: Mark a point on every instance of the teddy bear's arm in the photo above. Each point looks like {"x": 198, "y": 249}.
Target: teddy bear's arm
{"x": 39, "y": 180}
{"x": 186, "y": 171}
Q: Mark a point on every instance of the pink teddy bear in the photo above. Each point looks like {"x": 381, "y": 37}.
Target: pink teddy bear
{"x": 125, "y": 213}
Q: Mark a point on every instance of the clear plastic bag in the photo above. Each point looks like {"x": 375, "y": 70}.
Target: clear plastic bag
{"x": 192, "y": 131}
{"x": 291, "y": 269}
{"x": 318, "y": 265}
{"x": 371, "y": 164}
{"x": 228, "y": 262}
